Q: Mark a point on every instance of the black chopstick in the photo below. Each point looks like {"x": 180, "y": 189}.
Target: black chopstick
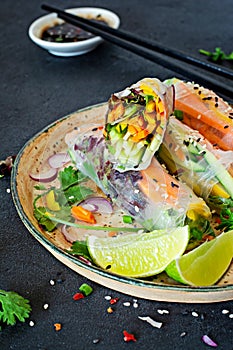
{"x": 152, "y": 51}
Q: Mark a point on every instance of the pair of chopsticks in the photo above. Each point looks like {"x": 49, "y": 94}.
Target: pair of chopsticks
{"x": 154, "y": 51}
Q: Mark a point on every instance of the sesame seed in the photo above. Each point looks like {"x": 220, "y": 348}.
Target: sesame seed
{"x": 195, "y": 314}
{"x": 136, "y": 208}
{"x": 46, "y": 306}
{"x": 231, "y": 316}
{"x": 183, "y": 334}
{"x": 135, "y": 305}
{"x": 31, "y": 323}
{"x": 107, "y": 297}
{"x": 224, "y": 311}
{"x": 127, "y": 303}
{"x": 226, "y": 126}
{"x": 52, "y": 282}
{"x": 8, "y": 190}
{"x": 216, "y": 105}
{"x": 95, "y": 341}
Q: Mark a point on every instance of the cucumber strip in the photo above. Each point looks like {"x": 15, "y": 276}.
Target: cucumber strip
{"x": 220, "y": 172}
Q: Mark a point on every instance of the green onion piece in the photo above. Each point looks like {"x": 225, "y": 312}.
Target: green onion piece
{"x": 85, "y": 289}
{"x": 178, "y": 114}
{"x": 127, "y": 219}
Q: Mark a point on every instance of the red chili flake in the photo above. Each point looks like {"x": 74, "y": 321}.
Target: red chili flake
{"x": 218, "y": 220}
{"x": 129, "y": 336}
{"x": 78, "y": 296}
{"x": 114, "y": 301}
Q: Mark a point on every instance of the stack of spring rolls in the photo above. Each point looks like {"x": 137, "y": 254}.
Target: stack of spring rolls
{"x": 156, "y": 167}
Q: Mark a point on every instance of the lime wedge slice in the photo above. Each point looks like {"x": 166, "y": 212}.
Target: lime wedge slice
{"x": 204, "y": 265}
{"x": 139, "y": 255}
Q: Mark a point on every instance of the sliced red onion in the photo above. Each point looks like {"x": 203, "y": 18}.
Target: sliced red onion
{"x": 91, "y": 207}
{"x": 102, "y": 204}
{"x": 86, "y": 261}
{"x": 47, "y": 176}
{"x": 58, "y": 160}
{"x": 70, "y": 237}
{"x": 206, "y": 339}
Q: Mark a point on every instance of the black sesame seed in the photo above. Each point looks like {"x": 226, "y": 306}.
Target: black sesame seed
{"x": 186, "y": 143}
{"x": 108, "y": 267}
{"x": 174, "y": 185}
{"x": 226, "y": 126}
{"x": 216, "y": 105}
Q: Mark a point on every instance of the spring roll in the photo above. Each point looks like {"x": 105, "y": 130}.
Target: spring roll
{"x": 135, "y": 123}
{"x": 203, "y": 110}
{"x": 195, "y": 161}
{"x": 151, "y": 196}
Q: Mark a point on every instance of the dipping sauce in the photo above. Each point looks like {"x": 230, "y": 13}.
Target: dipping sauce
{"x": 68, "y": 33}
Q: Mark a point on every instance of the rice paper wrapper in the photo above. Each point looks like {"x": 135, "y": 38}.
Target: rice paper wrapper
{"x": 136, "y": 121}
{"x": 195, "y": 161}
{"x": 151, "y": 196}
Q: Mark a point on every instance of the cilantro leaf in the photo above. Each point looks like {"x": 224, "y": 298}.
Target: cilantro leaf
{"x": 14, "y": 307}
{"x": 69, "y": 177}
{"x": 226, "y": 217}
{"x": 40, "y": 214}
{"x": 80, "y": 248}
{"x": 76, "y": 194}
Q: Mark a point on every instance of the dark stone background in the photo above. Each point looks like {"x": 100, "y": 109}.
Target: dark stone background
{"x": 38, "y": 88}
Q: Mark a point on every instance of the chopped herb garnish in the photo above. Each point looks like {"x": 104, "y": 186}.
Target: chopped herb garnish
{"x": 218, "y": 55}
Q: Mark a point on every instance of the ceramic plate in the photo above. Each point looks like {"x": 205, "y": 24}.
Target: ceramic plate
{"x": 31, "y": 158}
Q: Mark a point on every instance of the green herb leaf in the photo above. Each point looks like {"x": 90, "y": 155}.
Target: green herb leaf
{"x": 69, "y": 177}
{"x": 41, "y": 215}
{"x": 80, "y": 248}
{"x": 217, "y": 55}
{"x": 76, "y": 194}
{"x": 14, "y": 307}
{"x": 226, "y": 217}
{"x": 40, "y": 187}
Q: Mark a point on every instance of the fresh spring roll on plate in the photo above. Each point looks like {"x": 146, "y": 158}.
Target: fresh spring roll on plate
{"x": 151, "y": 196}
{"x": 135, "y": 123}
{"x": 203, "y": 110}
{"x": 187, "y": 154}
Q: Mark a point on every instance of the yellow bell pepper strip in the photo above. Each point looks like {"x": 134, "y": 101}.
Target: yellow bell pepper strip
{"x": 79, "y": 213}
{"x": 52, "y": 204}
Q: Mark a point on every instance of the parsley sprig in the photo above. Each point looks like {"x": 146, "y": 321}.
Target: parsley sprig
{"x": 13, "y": 307}
{"x": 217, "y": 55}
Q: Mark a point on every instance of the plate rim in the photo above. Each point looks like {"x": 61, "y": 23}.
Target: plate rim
{"x": 60, "y": 252}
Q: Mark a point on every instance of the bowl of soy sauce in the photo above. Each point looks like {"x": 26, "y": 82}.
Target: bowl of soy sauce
{"x": 63, "y": 39}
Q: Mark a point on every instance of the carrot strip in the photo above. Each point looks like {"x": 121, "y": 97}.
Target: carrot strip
{"x": 205, "y": 106}
{"x": 82, "y": 214}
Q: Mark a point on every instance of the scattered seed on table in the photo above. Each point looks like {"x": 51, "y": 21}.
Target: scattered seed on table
{"x": 127, "y": 303}
{"x": 95, "y": 341}
{"x": 31, "y": 323}
{"x": 195, "y": 314}
{"x": 52, "y": 282}
{"x": 46, "y": 306}
{"x": 135, "y": 305}
{"x": 107, "y": 297}
{"x": 183, "y": 334}
{"x": 231, "y": 316}
{"x": 224, "y": 311}
{"x": 8, "y": 190}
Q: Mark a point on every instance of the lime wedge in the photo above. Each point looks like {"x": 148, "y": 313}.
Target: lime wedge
{"x": 204, "y": 265}
{"x": 139, "y": 255}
